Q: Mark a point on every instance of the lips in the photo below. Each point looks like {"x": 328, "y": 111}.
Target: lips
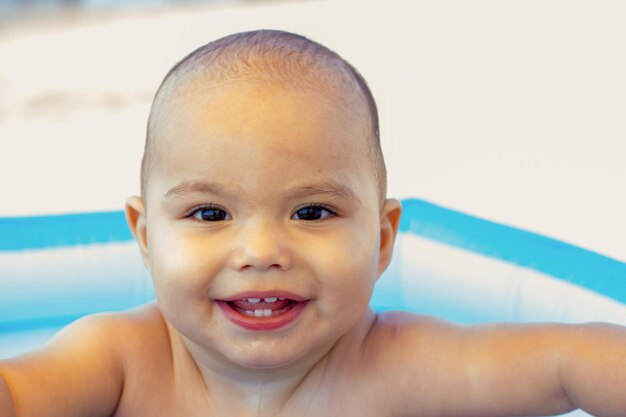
{"x": 263, "y": 310}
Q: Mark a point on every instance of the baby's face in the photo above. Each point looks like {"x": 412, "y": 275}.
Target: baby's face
{"x": 261, "y": 194}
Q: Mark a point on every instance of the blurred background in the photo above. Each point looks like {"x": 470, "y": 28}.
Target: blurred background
{"x": 511, "y": 111}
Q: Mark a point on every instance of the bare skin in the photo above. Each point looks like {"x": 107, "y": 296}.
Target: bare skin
{"x": 395, "y": 364}
{"x": 265, "y": 190}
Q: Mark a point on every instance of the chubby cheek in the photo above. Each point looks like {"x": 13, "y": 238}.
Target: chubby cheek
{"x": 348, "y": 267}
{"x": 182, "y": 271}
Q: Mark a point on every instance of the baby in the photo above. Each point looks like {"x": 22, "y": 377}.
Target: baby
{"x": 264, "y": 224}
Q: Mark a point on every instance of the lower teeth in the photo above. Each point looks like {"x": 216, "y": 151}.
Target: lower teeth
{"x": 267, "y": 312}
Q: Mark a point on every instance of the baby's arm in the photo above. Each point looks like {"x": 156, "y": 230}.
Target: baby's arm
{"x": 544, "y": 369}
{"x": 593, "y": 368}
{"x": 496, "y": 370}
{"x": 78, "y": 373}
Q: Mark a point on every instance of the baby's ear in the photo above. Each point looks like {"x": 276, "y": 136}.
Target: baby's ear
{"x": 389, "y": 222}
{"x": 136, "y": 219}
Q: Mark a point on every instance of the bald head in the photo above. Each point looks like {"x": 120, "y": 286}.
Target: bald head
{"x": 278, "y": 58}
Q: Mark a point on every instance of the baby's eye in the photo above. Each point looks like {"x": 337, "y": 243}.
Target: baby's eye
{"x": 210, "y": 214}
{"x": 314, "y": 212}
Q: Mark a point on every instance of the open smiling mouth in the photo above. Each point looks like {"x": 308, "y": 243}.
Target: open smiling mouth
{"x": 262, "y": 311}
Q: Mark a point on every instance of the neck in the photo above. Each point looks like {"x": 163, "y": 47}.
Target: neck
{"x": 252, "y": 391}
{"x": 217, "y": 367}
{"x": 263, "y": 391}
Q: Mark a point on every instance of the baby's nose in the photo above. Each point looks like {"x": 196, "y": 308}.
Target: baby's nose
{"x": 262, "y": 246}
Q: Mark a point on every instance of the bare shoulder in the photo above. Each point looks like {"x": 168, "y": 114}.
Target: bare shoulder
{"x": 119, "y": 336}
{"x": 80, "y": 371}
{"x": 397, "y": 335}
{"x": 133, "y": 328}
{"x": 407, "y": 358}
{"x": 395, "y": 332}
{"x": 402, "y": 338}
{"x": 116, "y": 331}
{"x": 402, "y": 343}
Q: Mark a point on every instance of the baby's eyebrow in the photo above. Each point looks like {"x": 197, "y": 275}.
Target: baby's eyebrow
{"x": 190, "y": 187}
{"x": 330, "y": 189}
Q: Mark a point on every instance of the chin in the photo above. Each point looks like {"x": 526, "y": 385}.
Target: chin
{"x": 282, "y": 354}
{"x": 266, "y": 360}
